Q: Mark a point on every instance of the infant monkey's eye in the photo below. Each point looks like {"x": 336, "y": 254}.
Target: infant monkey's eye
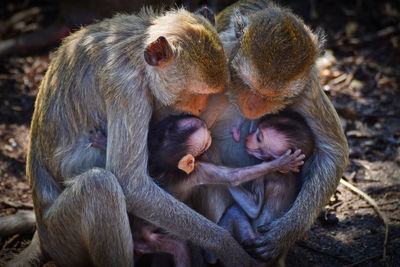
{"x": 259, "y": 137}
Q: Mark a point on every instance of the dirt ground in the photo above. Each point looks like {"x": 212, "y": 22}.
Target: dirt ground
{"x": 359, "y": 72}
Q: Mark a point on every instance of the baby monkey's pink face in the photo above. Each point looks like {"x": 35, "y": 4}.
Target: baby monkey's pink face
{"x": 266, "y": 144}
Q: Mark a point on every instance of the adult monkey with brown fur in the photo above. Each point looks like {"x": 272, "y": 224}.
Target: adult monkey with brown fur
{"x": 272, "y": 57}
{"x": 111, "y": 76}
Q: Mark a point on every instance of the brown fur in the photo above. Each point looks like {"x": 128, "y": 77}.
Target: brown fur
{"x": 98, "y": 79}
{"x": 295, "y": 49}
{"x": 273, "y": 41}
{"x": 184, "y": 139}
{"x": 321, "y": 173}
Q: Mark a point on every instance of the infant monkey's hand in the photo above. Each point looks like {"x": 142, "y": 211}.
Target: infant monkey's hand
{"x": 98, "y": 140}
{"x": 290, "y": 162}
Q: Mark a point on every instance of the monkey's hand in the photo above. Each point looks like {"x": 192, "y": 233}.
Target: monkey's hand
{"x": 289, "y": 162}
{"x": 238, "y": 258}
{"x": 98, "y": 140}
{"x": 268, "y": 245}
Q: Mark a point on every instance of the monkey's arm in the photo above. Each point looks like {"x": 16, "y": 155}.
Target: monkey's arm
{"x": 209, "y": 173}
{"x": 127, "y": 160}
{"x": 320, "y": 174}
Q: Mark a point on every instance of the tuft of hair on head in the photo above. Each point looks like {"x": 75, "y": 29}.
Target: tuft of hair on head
{"x": 278, "y": 43}
{"x": 321, "y": 35}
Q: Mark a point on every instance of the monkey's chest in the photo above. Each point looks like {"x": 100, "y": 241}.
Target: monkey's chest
{"x": 232, "y": 153}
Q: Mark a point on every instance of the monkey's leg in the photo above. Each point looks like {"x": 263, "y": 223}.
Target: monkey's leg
{"x": 88, "y": 223}
{"x": 236, "y": 221}
{"x": 250, "y": 202}
{"x": 161, "y": 243}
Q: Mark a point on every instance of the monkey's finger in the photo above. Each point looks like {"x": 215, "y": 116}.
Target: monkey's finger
{"x": 266, "y": 256}
{"x": 255, "y": 242}
{"x": 264, "y": 228}
{"x": 266, "y": 252}
{"x": 301, "y": 156}
{"x": 251, "y": 243}
{"x": 299, "y": 163}
{"x": 263, "y": 253}
{"x": 287, "y": 153}
{"x": 297, "y": 152}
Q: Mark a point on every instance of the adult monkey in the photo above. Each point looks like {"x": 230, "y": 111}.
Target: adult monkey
{"x": 272, "y": 57}
{"x": 110, "y": 76}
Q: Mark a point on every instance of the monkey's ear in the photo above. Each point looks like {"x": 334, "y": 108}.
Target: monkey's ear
{"x": 158, "y": 53}
{"x": 186, "y": 163}
{"x": 320, "y": 33}
{"x": 207, "y": 13}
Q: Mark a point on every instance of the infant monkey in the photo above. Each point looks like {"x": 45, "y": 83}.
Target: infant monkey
{"x": 272, "y": 195}
{"x": 177, "y": 163}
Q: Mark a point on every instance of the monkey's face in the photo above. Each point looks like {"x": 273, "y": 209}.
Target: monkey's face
{"x": 189, "y": 61}
{"x": 256, "y": 98}
{"x": 276, "y": 52}
{"x": 266, "y": 144}
{"x": 191, "y": 103}
{"x": 253, "y": 105}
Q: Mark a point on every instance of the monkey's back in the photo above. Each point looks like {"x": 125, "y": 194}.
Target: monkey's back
{"x": 74, "y": 97}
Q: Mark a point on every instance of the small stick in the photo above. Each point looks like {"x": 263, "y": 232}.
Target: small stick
{"x": 362, "y": 261}
{"x": 363, "y": 163}
{"x": 10, "y": 241}
{"x": 376, "y": 208}
{"x": 16, "y": 204}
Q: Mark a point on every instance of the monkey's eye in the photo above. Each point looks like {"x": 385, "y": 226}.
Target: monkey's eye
{"x": 259, "y": 136}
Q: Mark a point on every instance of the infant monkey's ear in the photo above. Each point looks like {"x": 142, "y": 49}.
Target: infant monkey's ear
{"x": 186, "y": 163}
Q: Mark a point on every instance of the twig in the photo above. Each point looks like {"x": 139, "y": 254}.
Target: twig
{"x": 395, "y": 219}
{"x": 376, "y": 208}
{"x": 10, "y": 241}
{"x": 337, "y": 80}
{"x": 362, "y": 261}
{"x": 16, "y": 204}
{"x": 21, "y": 222}
{"x": 363, "y": 163}
{"x": 389, "y": 203}
{"x": 334, "y": 206}
{"x": 364, "y": 180}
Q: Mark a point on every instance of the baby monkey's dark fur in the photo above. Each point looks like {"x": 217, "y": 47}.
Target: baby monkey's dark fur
{"x": 169, "y": 142}
{"x": 271, "y": 195}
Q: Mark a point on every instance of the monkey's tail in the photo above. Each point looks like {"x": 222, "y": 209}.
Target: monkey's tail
{"x": 31, "y": 256}
{"x": 23, "y": 222}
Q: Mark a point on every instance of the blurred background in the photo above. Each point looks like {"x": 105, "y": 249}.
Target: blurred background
{"x": 360, "y": 72}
